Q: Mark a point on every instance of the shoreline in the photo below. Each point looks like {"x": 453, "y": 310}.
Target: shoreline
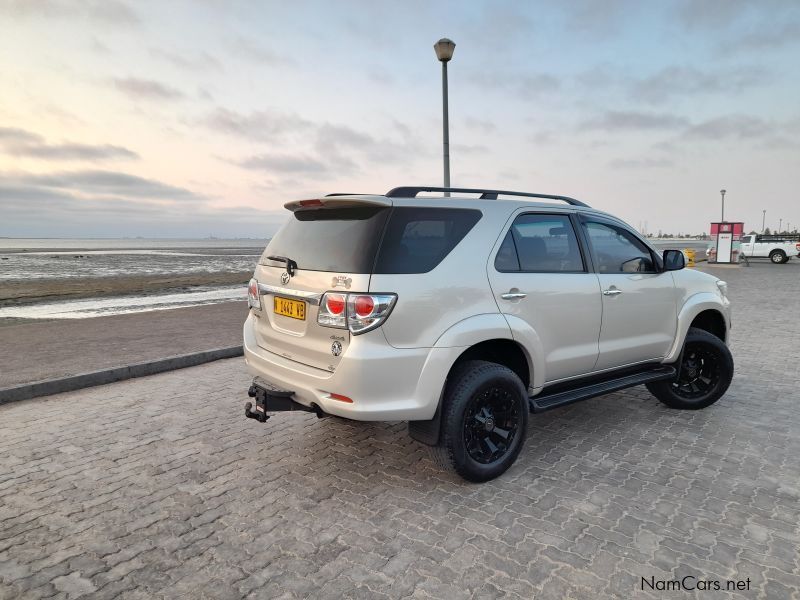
{"x": 21, "y": 292}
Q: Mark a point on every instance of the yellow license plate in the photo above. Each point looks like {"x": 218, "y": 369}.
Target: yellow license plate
{"x": 294, "y": 309}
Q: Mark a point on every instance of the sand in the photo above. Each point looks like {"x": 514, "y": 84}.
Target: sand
{"x": 38, "y": 290}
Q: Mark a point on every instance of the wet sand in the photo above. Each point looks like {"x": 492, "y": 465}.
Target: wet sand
{"x": 37, "y": 350}
{"x": 38, "y": 290}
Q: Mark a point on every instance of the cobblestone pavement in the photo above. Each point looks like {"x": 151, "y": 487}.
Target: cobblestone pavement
{"x": 159, "y": 487}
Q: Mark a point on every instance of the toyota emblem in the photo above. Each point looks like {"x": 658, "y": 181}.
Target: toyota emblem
{"x": 285, "y": 278}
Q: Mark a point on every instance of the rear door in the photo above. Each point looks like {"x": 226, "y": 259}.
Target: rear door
{"x": 539, "y": 274}
{"x": 331, "y": 247}
{"x": 639, "y": 302}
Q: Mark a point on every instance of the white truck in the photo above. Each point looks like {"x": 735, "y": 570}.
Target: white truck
{"x": 777, "y": 248}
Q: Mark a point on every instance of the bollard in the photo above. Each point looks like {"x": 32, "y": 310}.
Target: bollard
{"x": 690, "y": 256}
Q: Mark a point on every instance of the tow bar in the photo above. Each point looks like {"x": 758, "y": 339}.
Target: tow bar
{"x": 270, "y": 398}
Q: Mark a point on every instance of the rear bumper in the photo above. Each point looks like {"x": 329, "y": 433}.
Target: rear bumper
{"x": 384, "y": 383}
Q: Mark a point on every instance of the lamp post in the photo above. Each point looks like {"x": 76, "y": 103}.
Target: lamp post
{"x": 763, "y": 219}
{"x": 722, "y": 193}
{"x": 780, "y": 225}
{"x": 444, "y": 52}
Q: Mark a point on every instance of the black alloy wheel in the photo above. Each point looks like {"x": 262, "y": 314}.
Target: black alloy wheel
{"x": 705, "y": 373}
{"x": 699, "y": 372}
{"x": 484, "y": 417}
{"x": 491, "y": 422}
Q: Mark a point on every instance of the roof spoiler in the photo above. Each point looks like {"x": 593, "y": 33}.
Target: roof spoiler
{"x": 337, "y": 201}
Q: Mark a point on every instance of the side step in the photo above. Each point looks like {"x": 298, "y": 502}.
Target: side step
{"x": 545, "y": 401}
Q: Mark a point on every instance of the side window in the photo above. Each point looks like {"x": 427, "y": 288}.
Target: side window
{"x": 618, "y": 250}
{"x": 417, "y": 239}
{"x": 540, "y": 244}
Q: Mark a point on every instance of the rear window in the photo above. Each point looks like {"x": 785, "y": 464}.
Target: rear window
{"x": 342, "y": 240}
{"x": 347, "y": 240}
{"x": 418, "y": 239}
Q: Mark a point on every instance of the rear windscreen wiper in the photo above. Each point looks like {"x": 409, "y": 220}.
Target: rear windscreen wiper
{"x": 291, "y": 266}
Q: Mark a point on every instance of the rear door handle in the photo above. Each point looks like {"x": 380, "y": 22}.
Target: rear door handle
{"x": 513, "y": 296}
{"x": 613, "y": 292}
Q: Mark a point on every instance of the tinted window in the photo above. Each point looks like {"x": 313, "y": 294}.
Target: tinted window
{"x": 417, "y": 239}
{"x": 342, "y": 240}
{"x": 540, "y": 244}
{"x": 618, "y": 250}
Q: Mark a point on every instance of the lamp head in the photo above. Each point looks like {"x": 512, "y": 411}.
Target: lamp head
{"x": 444, "y": 49}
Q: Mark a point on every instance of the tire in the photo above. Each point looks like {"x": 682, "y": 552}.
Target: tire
{"x": 484, "y": 419}
{"x": 705, "y": 373}
{"x": 778, "y": 257}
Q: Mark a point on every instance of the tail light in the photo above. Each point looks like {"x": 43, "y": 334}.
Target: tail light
{"x": 797, "y": 245}
{"x": 357, "y": 312}
{"x": 332, "y": 310}
{"x": 253, "y": 297}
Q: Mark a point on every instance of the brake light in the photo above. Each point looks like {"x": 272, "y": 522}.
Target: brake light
{"x": 334, "y": 303}
{"x": 357, "y": 312}
{"x": 363, "y": 306}
{"x": 368, "y": 311}
{"x": 253, "y": 297}
{"x": 332, "y": 311}
{"x": 310, "y": 202}
{"x": 797, "y": 245}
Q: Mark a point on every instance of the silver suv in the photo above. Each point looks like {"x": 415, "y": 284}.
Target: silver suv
{"x": 463, "y": 314}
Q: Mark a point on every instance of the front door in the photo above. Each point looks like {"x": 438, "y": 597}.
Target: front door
{"x": 539, "y": 275}
{"x": 639, "y": 303}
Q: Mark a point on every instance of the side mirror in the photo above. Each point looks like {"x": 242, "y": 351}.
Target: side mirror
{"x": 674, "y": 260}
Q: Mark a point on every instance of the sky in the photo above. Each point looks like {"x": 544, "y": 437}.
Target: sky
{"x": 201, "y": 118}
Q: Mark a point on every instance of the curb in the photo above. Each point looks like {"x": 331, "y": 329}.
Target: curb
{"x": 27, "y": 391}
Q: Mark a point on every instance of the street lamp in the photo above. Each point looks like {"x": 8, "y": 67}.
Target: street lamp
{"x": 444, "y": 52}
{"x": 763, "y": 219}
{"x": 780, "y": 225}
{"x": 722, "y": 192}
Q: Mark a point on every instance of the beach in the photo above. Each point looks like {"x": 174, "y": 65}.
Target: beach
{"x": 73, "y": 306}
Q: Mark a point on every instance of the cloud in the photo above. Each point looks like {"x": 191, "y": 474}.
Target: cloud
{"x": 146, "y": 89}
{"x": 600, "y": 18}
{"x": 43, "y": 211}
{"x": 285, "y": 163}
{"x": 19, "y": 142}
{"x": 14, "y": 135}
{"x": 774, "y": 34}
{"x": 634, "y": 121}
{"x": 679, "y": 80}
{"x": 267, "y": 126}
{"x": 641, "y": 163}
{"x": 202, "y": 62}
{"x": 730, "y": 126}
{"x": 470, "y": 148}
{"x": 480, "y": 125}
{"x": 89, "y": 183}
{"x": 524, "y": 85}
{"x": 107, "y": 12}
{"x": 247, "y": 48}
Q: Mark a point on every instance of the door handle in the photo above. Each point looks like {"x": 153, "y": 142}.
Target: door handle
{"x": 614, "y": 292}
{"x": 513, "y": 296}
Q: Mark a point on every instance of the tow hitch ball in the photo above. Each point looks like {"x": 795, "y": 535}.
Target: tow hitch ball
{"x": 260, "y": 414}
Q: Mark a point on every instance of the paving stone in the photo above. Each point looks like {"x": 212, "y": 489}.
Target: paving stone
{"x": 159, "y": 488}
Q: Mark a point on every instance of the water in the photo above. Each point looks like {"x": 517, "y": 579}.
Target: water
{"x": 64, "y": 259}
{"x": 60, "y": 259}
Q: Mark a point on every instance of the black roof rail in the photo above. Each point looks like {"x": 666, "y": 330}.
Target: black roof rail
{"x": 412, "y": 191}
